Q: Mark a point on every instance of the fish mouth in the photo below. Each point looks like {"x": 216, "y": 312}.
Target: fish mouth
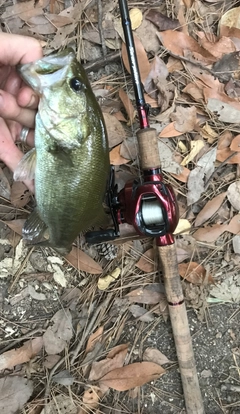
{"x": 48, "y": 70}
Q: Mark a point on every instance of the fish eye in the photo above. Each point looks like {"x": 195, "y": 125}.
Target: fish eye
{"x": 76, "y": 85}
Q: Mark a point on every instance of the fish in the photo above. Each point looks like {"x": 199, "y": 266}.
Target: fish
{"x": 70, "y": 161}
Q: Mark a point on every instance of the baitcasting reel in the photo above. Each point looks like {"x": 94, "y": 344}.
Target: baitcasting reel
{"x": 148, "y": 205}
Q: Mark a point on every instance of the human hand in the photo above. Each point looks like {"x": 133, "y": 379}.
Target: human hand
{"x": 18, "y": 102}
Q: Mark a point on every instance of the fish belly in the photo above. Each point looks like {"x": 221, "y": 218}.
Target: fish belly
{"x": 70, "y": 190}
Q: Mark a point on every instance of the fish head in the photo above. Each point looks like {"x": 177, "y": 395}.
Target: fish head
{"x": 65, "y": 95}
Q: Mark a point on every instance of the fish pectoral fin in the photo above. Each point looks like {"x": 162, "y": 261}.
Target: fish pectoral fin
{"x": 62, "y": 154}
{"x": 26, "y": 167}
{"x": 34, "y": 228}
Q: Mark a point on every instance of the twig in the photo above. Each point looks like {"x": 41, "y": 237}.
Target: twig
{"x": 19, "y": 271}
{"x": 74, "y": 353}
{"x": 17, "y": 340}
{"x": 219, "y": 168}
{"x": 101, "y": 307}
{"x": 104, "y": 60}
{"x": 230, "y": 387}
{"x": 192, "y": 62}
{"x": 100, "y": 28}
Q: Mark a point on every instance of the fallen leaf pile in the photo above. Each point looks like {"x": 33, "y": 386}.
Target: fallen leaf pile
{"x": 65, "y": 316}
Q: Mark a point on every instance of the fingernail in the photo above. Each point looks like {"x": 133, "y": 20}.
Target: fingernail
{"x": 1, "y": 98}
{"x": 32, "y": 100}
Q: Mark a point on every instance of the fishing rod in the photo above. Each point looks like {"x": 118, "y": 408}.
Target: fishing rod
{"x": 150, "y": 206}
{"x": 159, "y": 214}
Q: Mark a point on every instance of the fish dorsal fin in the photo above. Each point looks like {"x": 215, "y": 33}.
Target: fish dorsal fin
{"x": 26, "y": 167}
{"x": 34, "y": 228}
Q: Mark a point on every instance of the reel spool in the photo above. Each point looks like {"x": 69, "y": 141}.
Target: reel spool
{"x": 152, "y": 214}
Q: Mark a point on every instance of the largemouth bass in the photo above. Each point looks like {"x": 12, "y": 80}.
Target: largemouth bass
{"x": 70, "y": 161}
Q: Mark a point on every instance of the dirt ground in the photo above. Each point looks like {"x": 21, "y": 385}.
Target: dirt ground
{"x": 52, "y": 310}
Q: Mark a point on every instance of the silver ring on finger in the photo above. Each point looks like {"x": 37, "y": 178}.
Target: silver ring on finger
{"x": 23, "y": 134}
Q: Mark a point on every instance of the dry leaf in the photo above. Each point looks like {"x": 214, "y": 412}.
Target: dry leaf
{"x": 233, "y": 195}
{"x": 158, "y": 72}
{"x": 90, "y": 400}
{"x": 185, "y": 119}
{"x": 230, "y": 19}
{"x": 141, "y": 314}
{"x": 169, "y": 131}
{"x": 178, "y": 43}
{"x": 15, "y": 392}
{"x": 58, "y": 335}
{"x": 183, "y": 227}
{"x": 194, "y": 273}
{"x": 59, "y": 276}
{"x": 221, "y": 105}
{"x": 182, "y": 254}
{"x": 162, "y": 21}
{"x": 144, "y": 65}
{"x": 210, "y": 208}
{"x": 134, "y": 375}
{"x": 60, "y": 404}
{"x": 149, "y": 295}
{"x": 154, "y": 355}
{"x": 150, "y": 101}
{"x": 63, "y": 378}
{"x": 234, "y": 225}
{"x": 51, "y": 360}
{"x": 150, "y": 42}
{"x": 80, "y": 260}
{"x": 208, "y": 133}
{"x": 146, "y": 263}
{"x": 20, "y": 194}
{"x": 183, "y": 176}
{"x": 129, "y": 148}
{"x": 16, "y": 225}
{"x": 117, "y": 349}
{"x": 18, "y": 8}
{"x": 116, "y": 158}
{"x": 218, "y": 47}
{"x": 236, "y": 244}
{"x": 235, "y": 144}
{"x": 195, "y": 90}
{"x": 200, "y": 175}
{"x": 105, "y": 281}
{"x": 93, "y": 338}
{"x": 210, "y": 234}
{"x": 115, "y": 130}
{"x": 167, "y": 157}
{"x": 20, "y": 355}
{"x": 225, "y": 140}
{"x": 196, "y": 147}
{"x": 189, "y": 3}
{"x": 136, "y": 17}
{"x": 120, "y": 117}
{"x": 227, "y": 291}
{"x": 115, "y": 359}
{"x": 128, "y": 107}
{"x": 5, "y": 190}
{"x": 227, "y": 156}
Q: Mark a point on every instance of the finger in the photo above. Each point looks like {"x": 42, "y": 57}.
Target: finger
{"x": 13, "y": 82}
{"x": 10, "y": 153}
{"x": 15, "y": 49}
{"x": 27, "y": 98}
{"x": 9, "y": 109}
{"x": 15, "y": 130}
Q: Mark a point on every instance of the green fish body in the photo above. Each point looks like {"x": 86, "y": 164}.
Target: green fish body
{"x": 70, "y": 161}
